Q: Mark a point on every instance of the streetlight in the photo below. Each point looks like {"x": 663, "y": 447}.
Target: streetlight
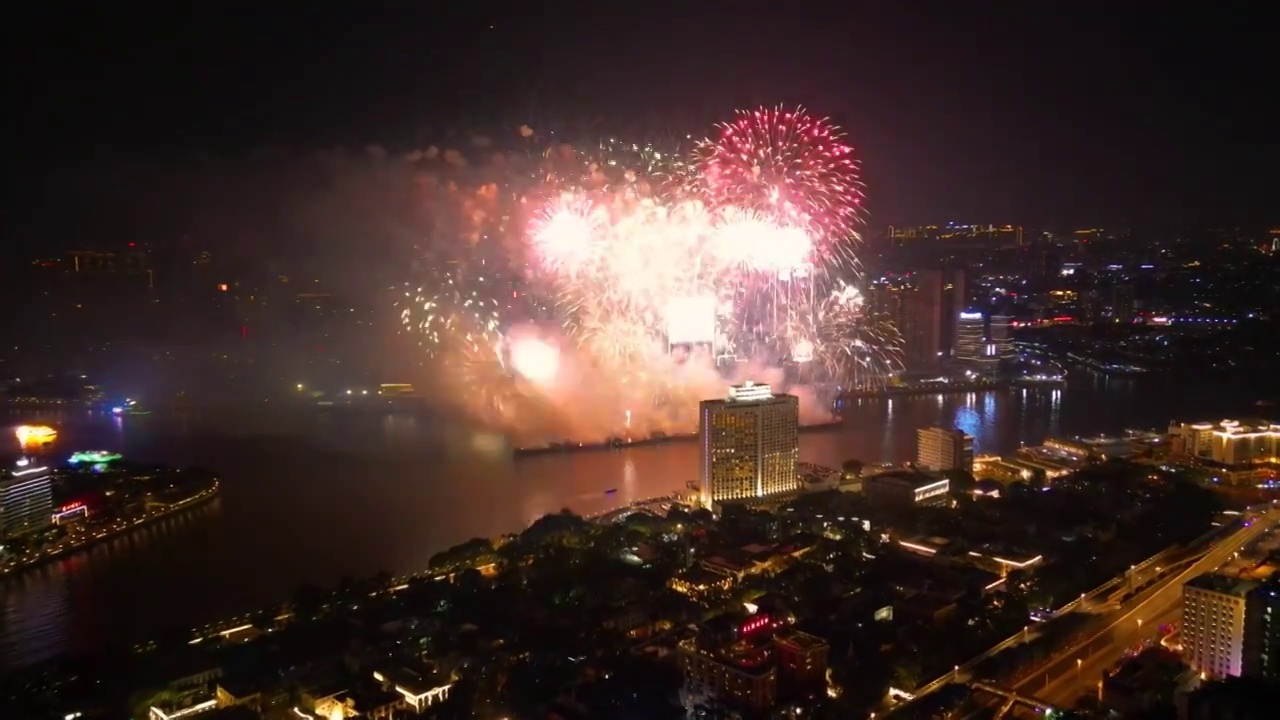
{"x": 1079, "y": 662}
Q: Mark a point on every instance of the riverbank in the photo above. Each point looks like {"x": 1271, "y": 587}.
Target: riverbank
{"x": 953, "y": 388}
{"x": 622, "y": 443}
{"x": 74, "y": 545}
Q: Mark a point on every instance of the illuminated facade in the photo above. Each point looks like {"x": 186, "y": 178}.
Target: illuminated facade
{"x": 1240, "y": 451}
{"x": 943, "y": 449}
{"x": 982, "y": 342}
{"x": 26, "y": 499}
{"x": 971, "y": 332}
{"x": 157, "y": 713}
{"x": 1213, "y": 624}
{"x": 903, "y": 489}
{"x": 418, "y": 692}
{"x": 749, "y": 445}
{"x": 999, "y": 338}
{"x": 953, "y": 234}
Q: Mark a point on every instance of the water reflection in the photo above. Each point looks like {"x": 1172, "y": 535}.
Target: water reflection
{"x": 314, "y": 497}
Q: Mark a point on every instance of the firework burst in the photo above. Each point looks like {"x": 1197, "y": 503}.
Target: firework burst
{"x": 856, "y": 348}
{"x": 788, "y": 165}
{"x": 603, "y": 291}
{"x": 451, "y": 312}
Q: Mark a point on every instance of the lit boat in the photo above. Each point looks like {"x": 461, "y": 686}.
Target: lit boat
{"x": 129, "y": 407}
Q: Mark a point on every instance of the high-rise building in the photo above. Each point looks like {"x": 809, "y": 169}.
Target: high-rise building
{"x": 1213, "y": 624}
{"x": 942, "y": 449}
{"x": 749, "y": 444}
{"x": 1262, "y": 631}
{"x": 1123, "y": 303}
{"x": 1000, "y": 336}
{"x": 908, "y": 308}
{"x": 26, "y": 499}
{"x": 982, "y": 342}
{"x": 923, "y": 308}
{"x": 971, "y": 339}
{"x": 944, "y": 295}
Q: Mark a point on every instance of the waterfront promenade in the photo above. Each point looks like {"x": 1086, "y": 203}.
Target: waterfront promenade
{"x": 82, "y": 541}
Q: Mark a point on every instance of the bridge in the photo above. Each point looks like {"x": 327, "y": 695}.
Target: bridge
{"x": 1012, "y": 699}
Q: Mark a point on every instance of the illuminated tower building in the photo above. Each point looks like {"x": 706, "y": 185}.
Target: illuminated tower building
{"x": 981, "y": 342}
{"x": 1213, "y": 624}
{"x": 999, "y": 336}
{"x": 26, "y": 499}
{"x": 971, "y": 334}
{"x": 750, "y": 443}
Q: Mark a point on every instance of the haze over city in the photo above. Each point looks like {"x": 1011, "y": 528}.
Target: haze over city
{"x": 722, "y": 361}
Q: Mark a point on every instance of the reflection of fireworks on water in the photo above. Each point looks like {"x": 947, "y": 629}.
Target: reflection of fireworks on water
{"x": 656, "y": 266}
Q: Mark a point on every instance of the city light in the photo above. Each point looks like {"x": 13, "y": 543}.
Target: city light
{"x": 34, "y": 436}
{"x": 93, "y": 456}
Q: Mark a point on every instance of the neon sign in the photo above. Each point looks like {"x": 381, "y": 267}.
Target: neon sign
{"x": 70, "y": 509}
{"x": 754, "y": 624}
{"x": 970, "y": 316}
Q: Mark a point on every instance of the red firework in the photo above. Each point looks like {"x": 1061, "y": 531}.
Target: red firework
{"x": 786, "y": 163}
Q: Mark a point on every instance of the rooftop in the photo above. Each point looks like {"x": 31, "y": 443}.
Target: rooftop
{"x": 409, "y": 682}
{"x": 23, "y": 467}
{"x": 799, "y": 640}
{"x": 1151, "y": 667}
{"x": 1244, "y": 426}
{"x": 914, "y": 478}
{"x": 700, "y": 577}
{"x": 1225, "y": 584}
{"x": 751, "y": 654}
{"x": 750, "y": 392}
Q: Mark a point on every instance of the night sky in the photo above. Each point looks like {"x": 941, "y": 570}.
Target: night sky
{"x": 1030, "y": 112}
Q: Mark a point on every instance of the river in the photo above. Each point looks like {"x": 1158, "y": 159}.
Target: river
{"x": 309, "y": 498}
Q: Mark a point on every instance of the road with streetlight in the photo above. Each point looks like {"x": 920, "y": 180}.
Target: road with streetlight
{"x": 1077, "y": 669}
{"x": 1104, "y": 594}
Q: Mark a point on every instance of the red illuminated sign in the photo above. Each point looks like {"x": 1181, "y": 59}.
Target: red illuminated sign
{"x": 71, "y": 506}
{"x": 754, "y": 624}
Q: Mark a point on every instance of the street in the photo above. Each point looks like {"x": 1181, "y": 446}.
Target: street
{"x": 1078, "y": 670}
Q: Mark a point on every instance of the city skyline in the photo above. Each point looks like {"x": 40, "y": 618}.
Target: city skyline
{"x": 484, "y": 362}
